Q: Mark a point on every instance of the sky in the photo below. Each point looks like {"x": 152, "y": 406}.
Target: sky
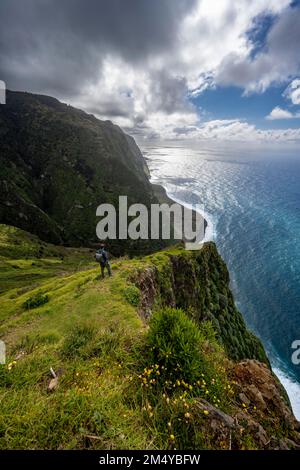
{"x": 162, "y": 69}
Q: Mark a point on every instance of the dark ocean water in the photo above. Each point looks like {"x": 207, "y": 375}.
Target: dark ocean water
{"x": 252, "y": 199}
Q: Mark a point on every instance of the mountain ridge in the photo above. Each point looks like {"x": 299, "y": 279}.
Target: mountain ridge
{"x": 59, "y": 163}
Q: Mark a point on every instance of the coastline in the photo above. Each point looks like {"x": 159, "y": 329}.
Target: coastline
{"x": 162, "y": 195}
{"x": 289, "y": 386}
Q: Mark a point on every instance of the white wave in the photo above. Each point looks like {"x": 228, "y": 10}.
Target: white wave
{"x": 292, "y": 388}
{"x": 210, "y": 234}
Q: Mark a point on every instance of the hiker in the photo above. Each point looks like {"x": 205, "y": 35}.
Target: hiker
{"x": 103, "y": 259}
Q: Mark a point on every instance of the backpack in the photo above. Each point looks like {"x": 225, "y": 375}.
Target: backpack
{"x": 100, "y": 257}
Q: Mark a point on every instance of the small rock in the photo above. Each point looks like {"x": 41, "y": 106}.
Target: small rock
{"x": 53, "y": 384}
{"x": 262, "y": 436}
{"x": 291, "y": 444}
{"x": 214, "y": 413}
{"x": 244, "y": 399}
{"x": 283, "y": 445}
{"x": 256, "y": 397}
{"x": 20, "y": 355}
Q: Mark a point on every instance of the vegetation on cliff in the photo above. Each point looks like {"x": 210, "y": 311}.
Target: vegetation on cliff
{"x": 142, "y": 359}
{"x": 58, "y": 164}
{"x": 199, "y": 284}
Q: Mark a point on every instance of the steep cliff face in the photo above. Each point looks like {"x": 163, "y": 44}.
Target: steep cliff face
{"x": 198, "y": 282}
{"x": 59, "y": 163}
{"x": 260, "y": 416}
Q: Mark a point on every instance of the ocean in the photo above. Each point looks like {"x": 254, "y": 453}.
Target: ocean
{"x": 251, "y": 198}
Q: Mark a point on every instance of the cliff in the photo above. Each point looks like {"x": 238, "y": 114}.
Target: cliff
{"x": 57, "y": 164}
{"x": 199, "y": 284}
{"x": 156, "y": 357}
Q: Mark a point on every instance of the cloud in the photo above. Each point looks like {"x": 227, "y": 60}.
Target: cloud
{"x": 60, "y": 45}
{"x": 293, "y": 91}
{"x": 276, "y": 63}
{"x": 242, "y": 131}
{"x": 279, "y": 113}
{"x": 234, "y": 130}
{"x": 139, "y": 62}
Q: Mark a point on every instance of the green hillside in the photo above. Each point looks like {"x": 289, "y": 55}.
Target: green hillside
{"x": 138, "y": 364}
{"x": 58, "y": 164}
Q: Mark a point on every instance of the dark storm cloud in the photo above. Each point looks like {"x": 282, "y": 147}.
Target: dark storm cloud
{"x": 168, "y": 93}
{"x": 57, "y": 46}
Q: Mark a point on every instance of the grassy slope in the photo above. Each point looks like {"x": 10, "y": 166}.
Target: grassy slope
{"x": 90, "y": 333}
{"x": 75, "y": 295}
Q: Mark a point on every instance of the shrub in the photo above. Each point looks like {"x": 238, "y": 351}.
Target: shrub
{"x": 35, "y": 301}
{"x": 181, "y": 357}
{"x": 174, "y": 343}
{"x": 132, "y": 295}
{"x": 180, "y": 363}
{"x": 223, "y": 301}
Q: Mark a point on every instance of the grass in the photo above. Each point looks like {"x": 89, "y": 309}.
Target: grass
{"x": 85, "y": 330}
{"x": 25, "y": 260}
{"x": 178, "y": 364}
{"x": 132, "y": 295}
{"x": 122, "y": 383}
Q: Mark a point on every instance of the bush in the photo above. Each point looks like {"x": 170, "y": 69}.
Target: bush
{"x": 132, "y": 295}
{"x": 35, "y": 301}
{"x": 180, "y": 356}
{"x": 180, "y": 363}
{"x": 223, "y": 301}
{"x": 174, "y": 343}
